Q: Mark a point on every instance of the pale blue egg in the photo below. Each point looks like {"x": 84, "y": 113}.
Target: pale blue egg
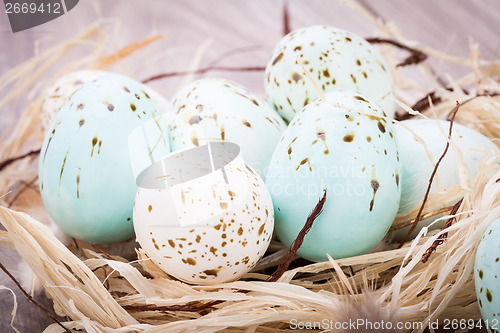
{"x": 85, "y": 172}
{"x": 487, "y": 276}
{"x": 354, "y": 157}
{"x": 336, "y": 59}
{"x": 422, "y": 143}
{"x": 217, "y": 109}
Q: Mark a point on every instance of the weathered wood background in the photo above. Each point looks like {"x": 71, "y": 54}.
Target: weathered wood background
{"x": 222, "y": 25}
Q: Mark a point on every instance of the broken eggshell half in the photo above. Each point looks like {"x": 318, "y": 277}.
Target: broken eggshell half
{"x": 202, "y": 214}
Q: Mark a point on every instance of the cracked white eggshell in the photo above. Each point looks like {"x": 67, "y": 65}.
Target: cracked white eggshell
{"x": 200, "y": 224}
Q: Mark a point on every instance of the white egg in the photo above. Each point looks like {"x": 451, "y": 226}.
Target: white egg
{"x": 203, "y": 215}
{"x": 417, "y": 167}
{"x": 336, "y": 60}
{"x": 57, "y": 94}
{"x": 217, "y": 109}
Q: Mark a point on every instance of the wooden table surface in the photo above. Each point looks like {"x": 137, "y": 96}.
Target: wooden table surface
{"x": 222, "y": 25}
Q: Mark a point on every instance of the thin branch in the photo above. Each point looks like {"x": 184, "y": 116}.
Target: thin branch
{"x": 443, "y": 236}
{"x": 425, "y": 102}
{"x": 419, "y": 215}
{"x": 205, "y": 70}
{"x": 191, "y": 307}
{"x": 414, "y": 58}
{"x": 25, "y": 186}
{"x": 286, "y": 18}
{"x": 101, "y": 251}
{"x": 283, "y": 266}
{"x": 9, "y": 161}
{"x": 31, "y": 298}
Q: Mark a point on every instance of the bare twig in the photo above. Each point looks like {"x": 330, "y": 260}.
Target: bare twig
{"x": 9, "y": 161}
{"x": 205, "y": 70}
{"x": 443, "y": 236}
{"x": 414, "y": 58}
{"x": 31, "y": 298}
{"x": 286, "y": 18}
{"x": 25, "y": 186}
{"x": 190, "y": 307}
{"x": 101, "y": 251}
{"x": 419, "y": 215}
{"x": 283, "y": 266}
{"x": 425, "y": 102}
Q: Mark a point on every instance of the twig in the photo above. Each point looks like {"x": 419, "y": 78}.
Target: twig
{"x": 31, "y": 298}
{"x": 205, "y": 70}
{"x": 286, "y": 18}
{"x": 414, "y": 58}
{"x": 9, "y": 161}
{"x": 417, "y": 219}
{"x": 283, "y": 266}
{"x": 101, "y": 251}
{"x": 23, "y": 188}
{"x": 192, "y": 307}
{"x": 424, "y": 104}
{"x": 443, "y": 236}
{"x": 425, "y": 216}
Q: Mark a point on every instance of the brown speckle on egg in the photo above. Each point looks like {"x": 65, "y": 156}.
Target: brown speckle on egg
{"x": 375, "y": 186}
{"x": 296, "y": 77}
{"x": 348, "y": 137}
{"x": 194, "y": 120}
{"x": 381, "y": 127}
{"x": 278, "y": 58}
{"x": 189, "y": 261}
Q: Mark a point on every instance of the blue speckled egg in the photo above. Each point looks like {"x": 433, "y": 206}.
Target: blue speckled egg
{"x": 218, "y": 109}
{"x": 487, "y": 276}
{"x": 431, "y": 137}
{"x": 354, "y": 156}
{"x": 336, "y": 59}
{"x": 85, "y": 172}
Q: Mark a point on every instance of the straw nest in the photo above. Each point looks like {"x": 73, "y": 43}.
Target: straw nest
{"x": 101, "y": 293}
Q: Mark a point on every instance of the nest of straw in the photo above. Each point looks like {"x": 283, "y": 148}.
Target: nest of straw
{"x": 99, "y": 292}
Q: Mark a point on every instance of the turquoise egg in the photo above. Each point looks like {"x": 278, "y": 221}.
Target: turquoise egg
{"x": 487, "y": 276}
{"x": 86, "y": 175}
{"x": 332, "y": 144}
{"x": 422, "y": 143}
